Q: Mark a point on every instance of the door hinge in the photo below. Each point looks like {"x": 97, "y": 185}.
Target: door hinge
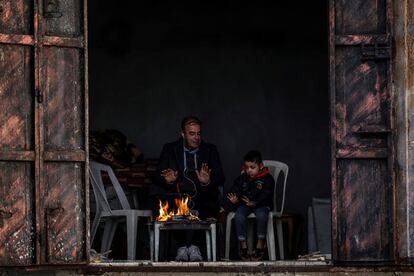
{"x": 374, "y": 52}
{"x": 39, "y": 96}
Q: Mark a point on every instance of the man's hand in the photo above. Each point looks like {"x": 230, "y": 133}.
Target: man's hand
{"x": 169, "y": 175}
{"x": 248, "y": 202}
{"x": 204, "y": 174}
{"x": 233, "y": 198}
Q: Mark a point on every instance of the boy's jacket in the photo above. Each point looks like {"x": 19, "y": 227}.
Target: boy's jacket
{"x": 259, "y": 189}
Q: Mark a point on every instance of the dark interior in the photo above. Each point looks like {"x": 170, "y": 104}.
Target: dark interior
{"x": 256, "y": 73}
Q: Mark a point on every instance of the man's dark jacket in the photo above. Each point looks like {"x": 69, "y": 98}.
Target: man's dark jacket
{"x": 207, "y": 198}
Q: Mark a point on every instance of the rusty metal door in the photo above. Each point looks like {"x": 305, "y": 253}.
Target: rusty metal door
{"x": 361, "y": 130}
{"x": 43, "y": 130}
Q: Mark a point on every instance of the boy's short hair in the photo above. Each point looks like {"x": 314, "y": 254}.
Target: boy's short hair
{"x": 190, "y": 120}
{"x": 253, "y": 156}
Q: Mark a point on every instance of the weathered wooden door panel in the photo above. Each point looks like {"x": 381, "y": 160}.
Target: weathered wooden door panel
{"x": 362, "y": 101}
{"x": 360, "y": 17}
{"x": 16, "y": 99}
{"x": 64, "y": 210}
{"x": 63, "y": 18}
{"x": 16, "y": 17}
{"x": 64, "y": 99}
{"x": 64, "y": 154}
{"x": 17, "y": 245}
{"x": 17, "y": 155}
{"x": 364, "y": 209}
{"x": 362, "y": 152}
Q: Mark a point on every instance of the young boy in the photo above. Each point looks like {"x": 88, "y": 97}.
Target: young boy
{"x": 252, "y": 191}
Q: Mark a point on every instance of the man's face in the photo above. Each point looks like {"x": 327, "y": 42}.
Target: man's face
{"x": 192, "y": 136}
{"x": 252, "y": 168}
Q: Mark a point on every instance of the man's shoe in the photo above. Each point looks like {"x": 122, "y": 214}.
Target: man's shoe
{"x": 182, "y": 254}
{"x": 194, "y": 254}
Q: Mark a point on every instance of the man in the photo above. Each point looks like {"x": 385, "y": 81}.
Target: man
{"x": 193, "y": 167}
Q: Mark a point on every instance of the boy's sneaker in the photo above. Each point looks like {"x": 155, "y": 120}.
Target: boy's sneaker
{"x": 182, "y": 254}
{"x": 194, "y": 254}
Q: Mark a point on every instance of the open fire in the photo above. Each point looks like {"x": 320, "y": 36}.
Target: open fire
{"x": 182, "y": 212}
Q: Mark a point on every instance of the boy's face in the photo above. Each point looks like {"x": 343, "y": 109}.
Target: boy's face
{"x": 252, "y": 168}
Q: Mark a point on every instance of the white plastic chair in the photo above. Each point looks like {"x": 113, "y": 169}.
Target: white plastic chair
{"x": 275, "y": 167}
{"x": 111, "y": 217}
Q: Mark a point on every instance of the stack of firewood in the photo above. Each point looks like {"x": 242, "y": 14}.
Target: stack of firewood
{"x": 138, "y": 175}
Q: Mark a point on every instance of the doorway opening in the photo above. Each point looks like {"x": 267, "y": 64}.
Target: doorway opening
{"x": 255, "y": 73}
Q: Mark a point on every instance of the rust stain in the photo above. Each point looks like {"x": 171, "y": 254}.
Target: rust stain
{"x": 15, "y": 17}
{"x": 364, "y": 68}
{"x": 11, "y": 129}
{"x": 368, "y": 105}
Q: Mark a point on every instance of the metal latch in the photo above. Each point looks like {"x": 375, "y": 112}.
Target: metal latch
{"x": 51, "y": 9}
{"x": 375, "y": 52}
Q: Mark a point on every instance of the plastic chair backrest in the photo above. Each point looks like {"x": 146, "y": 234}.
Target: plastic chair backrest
{"x": 275, "y": 167}
{"x": 96, "y": 171}
{"x": 102, "y": 203}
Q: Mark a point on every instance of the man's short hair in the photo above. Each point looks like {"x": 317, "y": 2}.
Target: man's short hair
{"x": 253, "y": 156}
{"x": 190, "y": 120}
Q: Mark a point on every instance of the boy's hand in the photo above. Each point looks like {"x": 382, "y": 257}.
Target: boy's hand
{"x": 233, "y": 198}
{"x": 169, "y": 175}
{"x": 204, "y": 174}
{"x": 248, "y": 202}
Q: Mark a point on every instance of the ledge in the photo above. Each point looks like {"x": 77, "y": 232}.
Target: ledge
{"x": 219, "y": 267}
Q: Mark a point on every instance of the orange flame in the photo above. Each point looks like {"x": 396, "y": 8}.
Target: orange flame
{"x": 164, "y": 215}
{"x": 182, "y": 210}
